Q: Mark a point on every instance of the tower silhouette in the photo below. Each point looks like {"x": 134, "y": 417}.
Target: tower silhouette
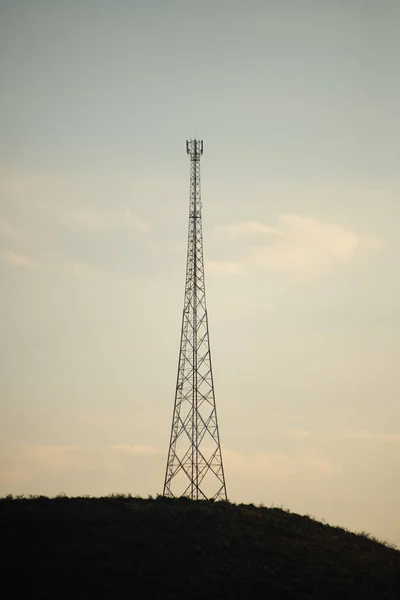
{"x": 194, "y": 464}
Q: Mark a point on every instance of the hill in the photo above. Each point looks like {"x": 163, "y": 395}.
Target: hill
{"x": 120, "y": 547}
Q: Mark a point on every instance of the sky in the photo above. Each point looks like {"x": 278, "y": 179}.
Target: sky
{"x": 297, "y": 104}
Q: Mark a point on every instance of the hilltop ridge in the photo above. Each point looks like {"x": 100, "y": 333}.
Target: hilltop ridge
{"x": 122, "y": 546}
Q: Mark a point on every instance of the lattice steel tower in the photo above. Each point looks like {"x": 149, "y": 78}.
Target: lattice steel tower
{"x": 194, "y": 465}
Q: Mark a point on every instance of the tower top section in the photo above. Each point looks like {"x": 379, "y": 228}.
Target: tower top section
{"x": 194, "y": 148}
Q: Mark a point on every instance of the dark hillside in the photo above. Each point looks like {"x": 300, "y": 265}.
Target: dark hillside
{"x": 121, "y": 547}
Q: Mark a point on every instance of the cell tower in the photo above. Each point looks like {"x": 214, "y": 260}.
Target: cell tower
{"x": 194, "y": 465}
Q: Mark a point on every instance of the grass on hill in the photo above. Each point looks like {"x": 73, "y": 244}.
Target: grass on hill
{"x": 120, "y": 547}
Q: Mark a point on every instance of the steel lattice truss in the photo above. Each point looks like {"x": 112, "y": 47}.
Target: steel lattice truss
{"x": 194, "y": 465}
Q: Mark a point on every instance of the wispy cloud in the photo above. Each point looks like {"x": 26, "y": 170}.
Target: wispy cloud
{"x": 295, "y": 432}
{"x": 224, "y": 267}
{"x": 19, "y": 260}
{"x": 243, "y": 304}
{"x": 99, "y": 222}
{"x": 80, "y": 269}
{"x": 235, "y": 231}
{"x": 103, "y": 419}
{"x": 135, "y": 223}
{"x": 298, "y": 242}
{"x": 281, "y": 464}
{"x": 134, "y": 449}
{"x": 23, "y": 463}
{"x": 370, "y": 436}
{"x": 362, "y": 435}
{"x": 91, "y": 220}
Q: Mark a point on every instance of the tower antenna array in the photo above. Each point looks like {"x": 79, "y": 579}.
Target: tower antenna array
{"x": 194, "y": 464}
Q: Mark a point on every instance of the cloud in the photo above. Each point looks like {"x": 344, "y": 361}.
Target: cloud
{"x": 133, "y": 222}
{"x": 297, "y": 243}
{"x": 19, "y": 260}
{"x": 80, "y": 269}
{"x": 243, "y": 305}
{"x": 371, "y": 436}
{"x": 91, "y": 220}
{"x": 262, "y": 463}
{"x": 361, "y": 435}
{"x": 98, "y": 222}
{"x": 234, "y": 231}
{"x": 21, "y": 464}
{"x": 55, "y": 458}
{"x": 294, "y": 432}
{"x": 106, "y": 420}
{"x": 134, "y": 449}
{"x": 64, "y": 200}
{"x": 224, "y": 267}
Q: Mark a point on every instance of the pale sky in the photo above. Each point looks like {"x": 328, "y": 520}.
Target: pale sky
{"x": 297, "y": 103}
